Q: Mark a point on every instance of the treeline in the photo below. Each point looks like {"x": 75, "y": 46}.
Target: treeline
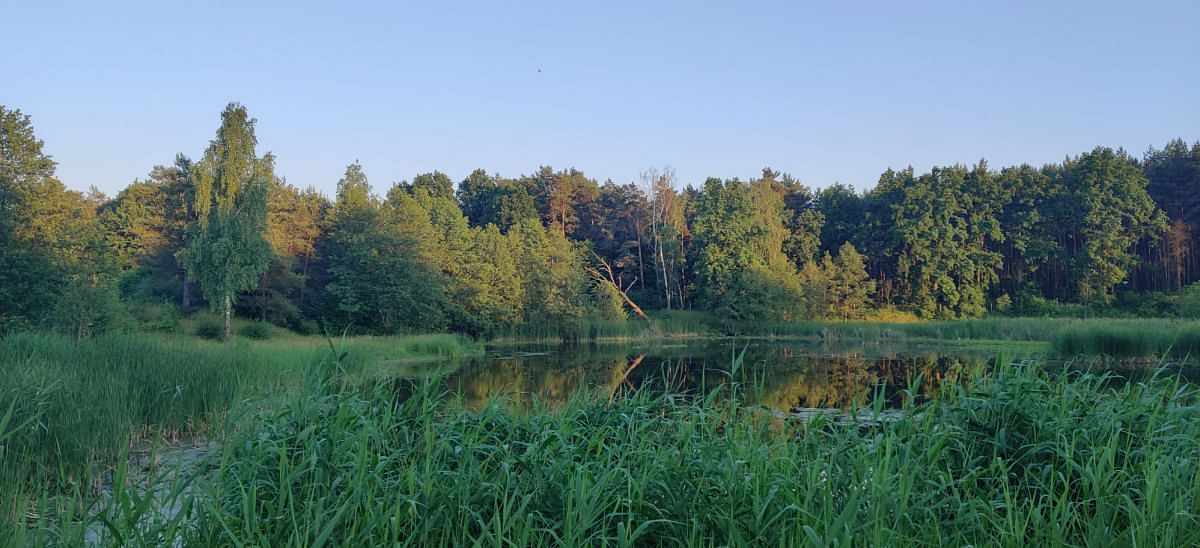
{"x": 556, "y": 248}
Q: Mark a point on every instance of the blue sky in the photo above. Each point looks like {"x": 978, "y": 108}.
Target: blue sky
{"x": 829, "y": 91}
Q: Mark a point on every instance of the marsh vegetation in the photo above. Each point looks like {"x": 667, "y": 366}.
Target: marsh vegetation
{"x": 436, "y": 439}
{"x": 335, "y": 453}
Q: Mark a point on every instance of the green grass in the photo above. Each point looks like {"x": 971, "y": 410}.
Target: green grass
{"x": 1010, "y": 329}
{"x": 314, "y": 452}
{"x": 1069, "y": 337}
{"x": 1022, "y": 458}
{"x": 1153, "y": 339}
{"x": 697, "y": 324}
{"x": 79, "y": 407}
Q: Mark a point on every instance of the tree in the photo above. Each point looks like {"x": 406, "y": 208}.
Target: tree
{"x": 741, "y": 269}
{"x": 552, "y": 276}
{"x": 378, "y": 283}
{"x": 560, "y": 196}
{"x": 1110, "y": 212}
{"x": 850, "y": 286}
{"x": 843, "y": 211}
{"x": 1173, "y": 174}
{"x": 227, "y": 252}
{"x": 23, "y": 165}
{"x": 802, "y": 216}
{"x": 929, "y": 242}
{"x": 666, "y": 232}
{"x": 50, "y": 238}
{"x": 294, "y": 220}
{"x": 619, "y": 238}
{"x": 494, "y": 200}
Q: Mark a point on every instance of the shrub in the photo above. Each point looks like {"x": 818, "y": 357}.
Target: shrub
{"x": 1003, "y": 304}
{"x": 1030, "y": 303}
{"x": 1189, "y": 301}
{"x": 209, "y": 329}
{"x": 889, "y": 314}
{"x": 256, "y": 330}
{"x": 1149, "y": 304}
{"x": 156, "y": 316}
{"x": 307, "y": 327}
{"x": 85, "y": 309}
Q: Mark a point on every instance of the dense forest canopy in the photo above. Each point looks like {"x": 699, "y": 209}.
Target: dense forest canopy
{"x": 557, "y": 248}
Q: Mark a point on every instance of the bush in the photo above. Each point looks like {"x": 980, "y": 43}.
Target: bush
{"x": 890, "y": 314}
{"x": 1189, "y": 301}
{"x": 156, "y": 316}
{"x": 85, "y": 309}
{"x": 307, "y": 327}
{"x": 12, "y": 324}
{"x": 256, "y": 330}
{"x": 209, "y": 329}
{"x": 1149, "y": 304}
{"x": 1030, "y": 303}
{"x": 1003, "y": 304}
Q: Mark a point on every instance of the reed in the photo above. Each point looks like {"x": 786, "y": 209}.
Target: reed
{"x": 1023, "y": 458}
{"x": 1129, "y": 339}
{"x": 69, "y": 411}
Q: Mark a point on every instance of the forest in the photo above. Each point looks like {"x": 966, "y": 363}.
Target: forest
{"x": 1103, "y": 232}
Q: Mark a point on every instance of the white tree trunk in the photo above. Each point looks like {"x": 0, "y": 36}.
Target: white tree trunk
{"x": 228, "y": 310}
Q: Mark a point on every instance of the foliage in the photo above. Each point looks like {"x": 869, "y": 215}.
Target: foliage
{"x": 1189, "y": 302}
{"x": 227, "y": 251}
{"x": 742, "y": 271}
{"x": 156, "y": 316}
{"x": 86, "y": 309}
{"x": 209, "y": 329}
{"x": 257, "y": 331}
{"x": 1101, "y": 233}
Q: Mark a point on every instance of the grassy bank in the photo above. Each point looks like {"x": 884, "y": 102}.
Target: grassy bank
{"x": 1129, "y": 339}
{"x": 700, "y": 325}
{"x": 69, "y": 411}
{"x": 1021, "y": 458}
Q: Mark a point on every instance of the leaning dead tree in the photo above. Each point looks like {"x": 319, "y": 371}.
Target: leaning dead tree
{"x": 604, "y": 274}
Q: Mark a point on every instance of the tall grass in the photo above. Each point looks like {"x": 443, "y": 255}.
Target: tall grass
{"x": 69, "y": 412}
{"x": 1021, "y": 459}
{"x": 1012, "y": 329}
{"x": 1129, "y": 339}
{"x": 671, "y": 324}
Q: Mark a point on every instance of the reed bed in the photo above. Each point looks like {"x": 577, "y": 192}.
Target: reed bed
{"x": 1129, "y": 339}
{"x": 1021, "y": 458}
{"x": 69, "y": 412}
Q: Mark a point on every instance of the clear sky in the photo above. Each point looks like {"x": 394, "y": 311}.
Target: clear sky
{"x": 828, "y": 91}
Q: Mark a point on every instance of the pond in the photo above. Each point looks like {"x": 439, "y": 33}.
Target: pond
{"x": 784, "y": 375}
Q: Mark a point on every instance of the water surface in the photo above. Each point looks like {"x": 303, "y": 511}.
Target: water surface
{"x": 782, "y": 375}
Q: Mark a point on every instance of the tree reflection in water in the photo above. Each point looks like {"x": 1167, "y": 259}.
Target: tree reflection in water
{"x": 781, "y": 376}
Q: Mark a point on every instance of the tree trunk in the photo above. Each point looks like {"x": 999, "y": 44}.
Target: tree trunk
{"x": 228, "y": 310}
{"x": 262, "y": 297}
{"x": 632, "y": 305}
{"x": 610, "y": 278}
{"x": 187, "y": 291}
{"x": 641, "y": 261}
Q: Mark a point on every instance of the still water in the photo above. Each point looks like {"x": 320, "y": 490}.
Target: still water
{"x": 782, "y": 375}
